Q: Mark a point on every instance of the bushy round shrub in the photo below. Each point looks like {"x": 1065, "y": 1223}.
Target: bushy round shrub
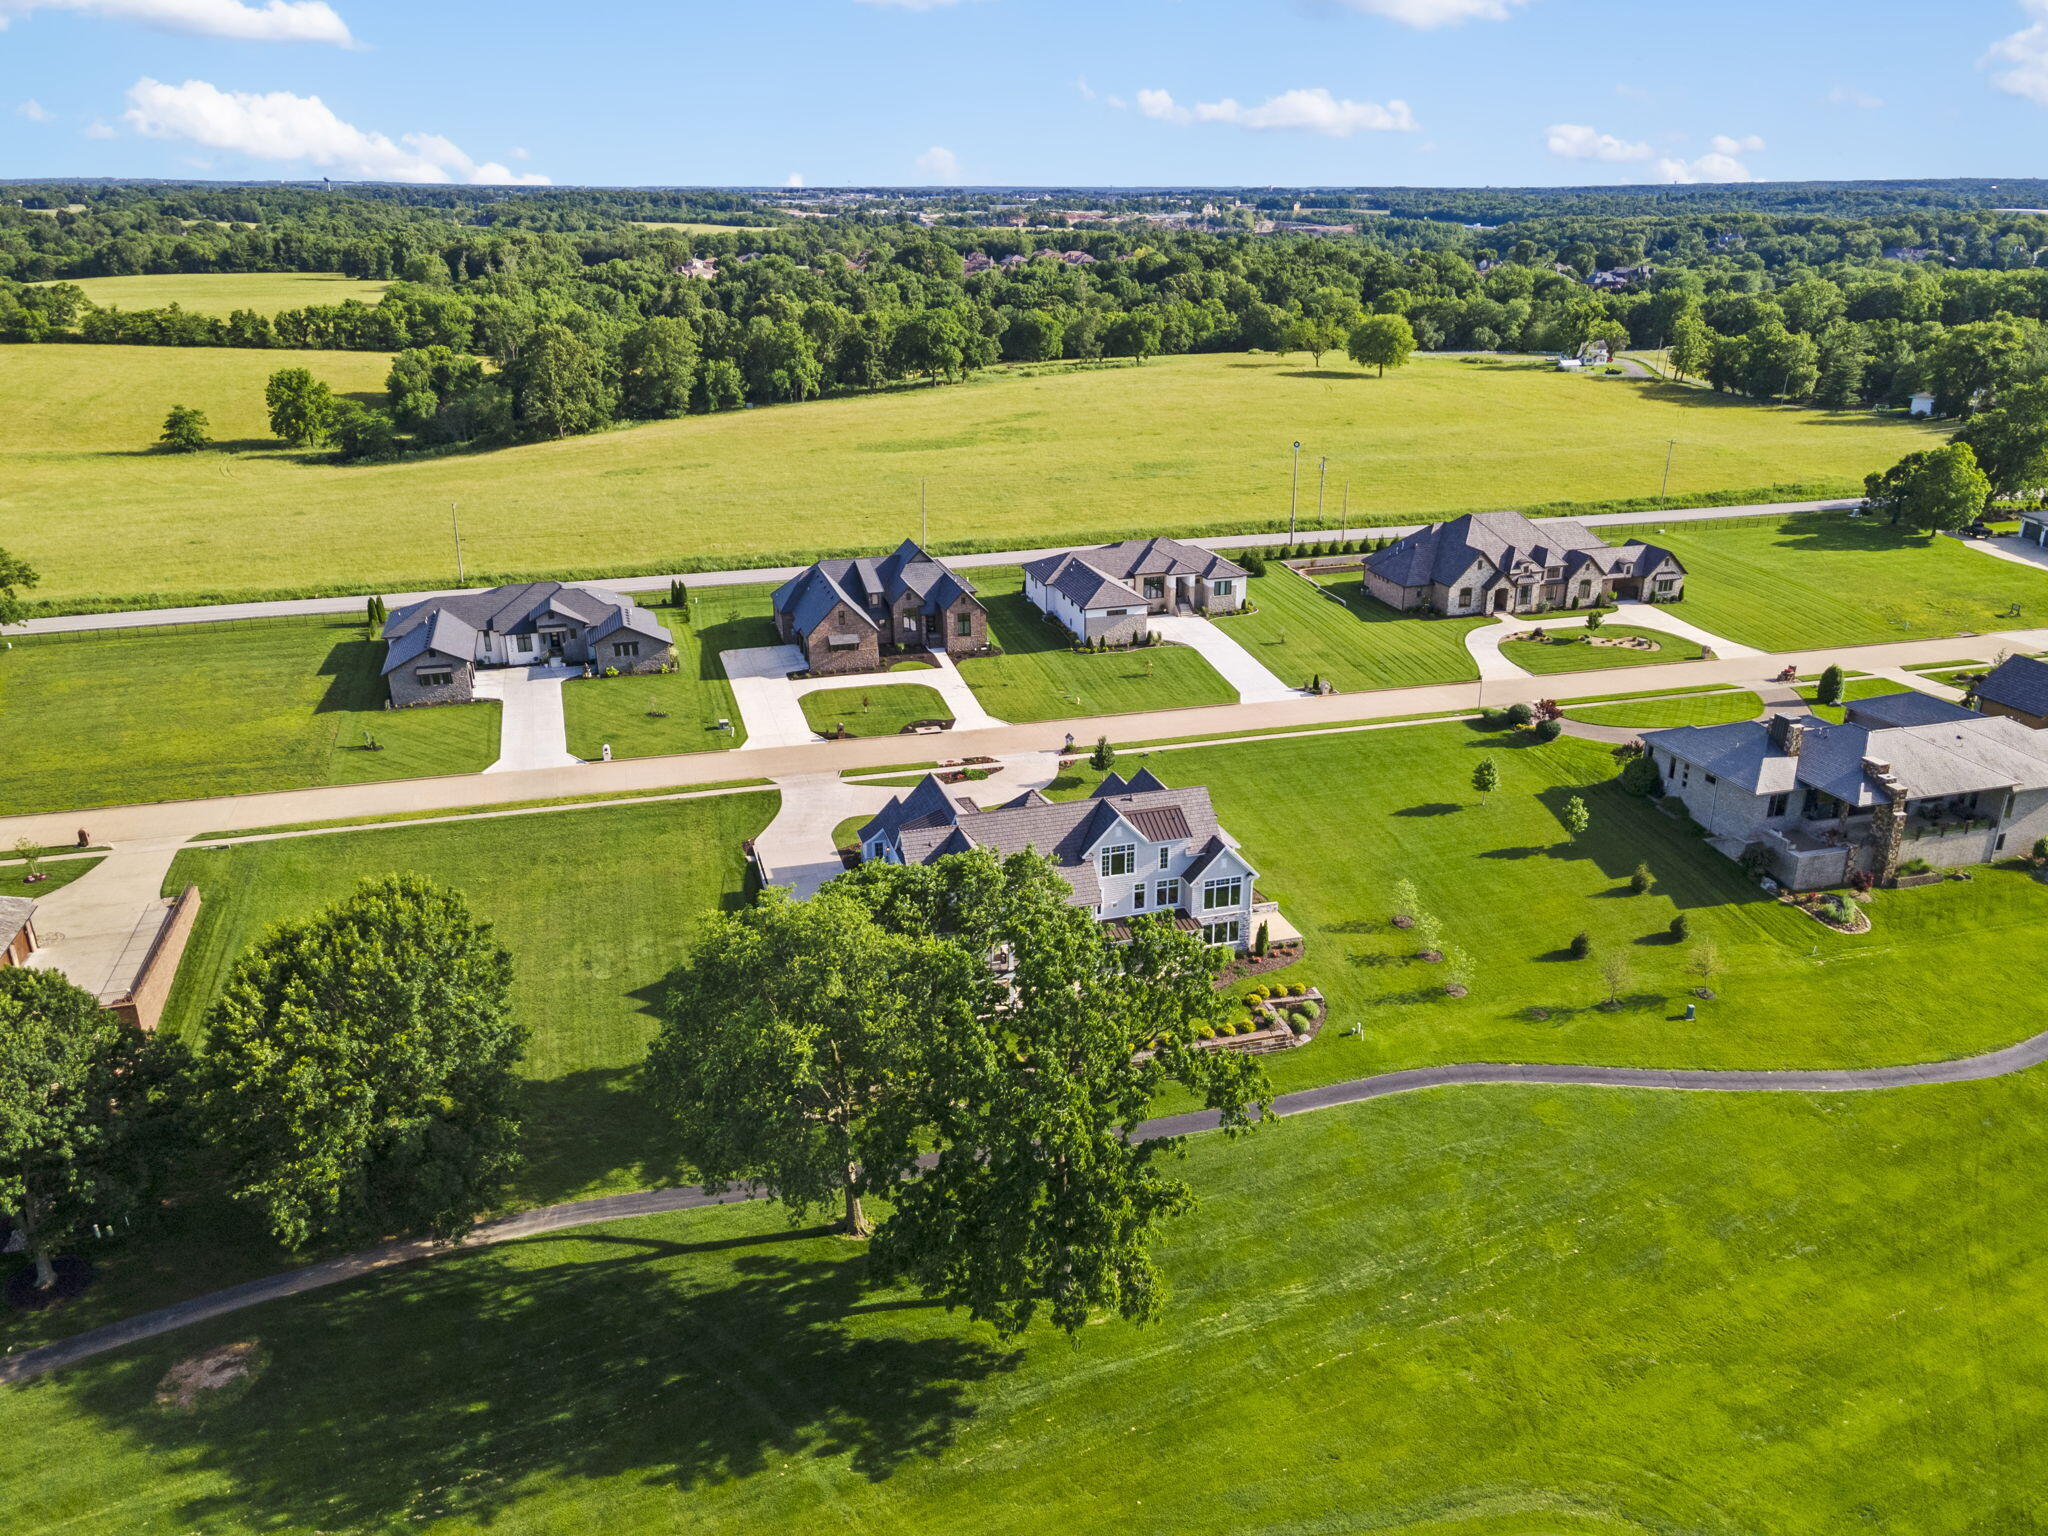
{"x": 1296, "y": 990}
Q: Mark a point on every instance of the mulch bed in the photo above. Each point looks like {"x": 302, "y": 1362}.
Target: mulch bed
{"x": 1810, "y": 903}
{"x": 74, "y": 1277}
{"x": 1241, "y": 966}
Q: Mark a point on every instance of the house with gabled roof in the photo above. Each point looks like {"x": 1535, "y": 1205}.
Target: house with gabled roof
{"x": 2016, "y": 688}
{"x": 1501, "y": 562}
{"x": 433, "y": 648}
{"x": 1108, "y": 593}
{"x": 848, "y": 615}
{"x": 1132, "y": 849}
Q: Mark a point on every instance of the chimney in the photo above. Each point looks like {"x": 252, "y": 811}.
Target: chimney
{"x": 1786, "y": 734}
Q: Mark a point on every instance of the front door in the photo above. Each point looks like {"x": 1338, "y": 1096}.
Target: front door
{"x": 554, "y": 640}
{"x": 1500, "y": 599}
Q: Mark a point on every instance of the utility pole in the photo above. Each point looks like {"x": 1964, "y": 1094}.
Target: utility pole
{"x": 924, "y": 517}
{"x": 1670, "y": 447}
{"x": 1322, "y": 477}
{"x": 455, "y": 521}
{"x": 1345, "y": 531}
{"x": 1293, "y": 487}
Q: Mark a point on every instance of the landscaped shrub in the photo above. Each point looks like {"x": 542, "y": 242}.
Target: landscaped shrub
{"x": 1493, "y": 719}
{"x": 1252, "y": 561}
{"x": 1922, "y": 867}
{"x": 1297, "y": 990}
{"x": 2041, "y": 850}
{"x": 1549, "y": 730}
{"x": 1256, "y": 995}
{"x": 1520, "y": 714}
{"x": 1641, "y": 881}
{"x": 1829, "y": 689}
{"x": 1581, "y": 945}
{"x": 1681, "y": 928}
{"x": 1208, "y": 1031}
{"x": 1639, "y": 776}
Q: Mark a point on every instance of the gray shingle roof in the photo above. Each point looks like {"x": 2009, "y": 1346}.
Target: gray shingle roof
{"x": 15, "y": 911}
{"x": 1504, "y": 542}
{"x": 2018, "y": 682}
{"x": 1106, "y": 577}
{"x": 1906, "y": 707}
{"x": 869, "y": 587}
{"x": 453, "y": 624}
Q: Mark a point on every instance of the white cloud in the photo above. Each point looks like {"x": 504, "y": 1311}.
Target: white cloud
{"x": 1714, "y": 167}
{"x": 1722, "y": 144}
{"x": 2024, "y": 56}
{"x": 282, "y": 126}
{"x": 35, "y": 111}
{"x": 275, "y": 21}
{"x": 796, "y": 179}
{"x": 940, "y": 164}
{"x": 1577, "y": 141}
{"x": 522, "y": 153}
{"x": 1087, "y": 91}
{"x": 1849, "y": 96}
{"x": 97, "y": 131}
{"x": 1428, "y": 14}
{"x": 1301, "y": 111}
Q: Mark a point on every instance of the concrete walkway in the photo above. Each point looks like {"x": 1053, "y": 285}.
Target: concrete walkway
{"x": 97, "y": 931}
{"x": 532, "y": 731}
{"x": 30, "y": 1364}
{"x": 1236, "y": 665}
{"x": 769, "y": 699}
{"x": 1485, "y": 643}
{"x": 2011, "y": 547}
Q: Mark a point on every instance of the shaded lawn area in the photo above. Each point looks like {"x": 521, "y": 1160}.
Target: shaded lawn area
{"x": 1348, "y": 638}
{"x": 1828, "y": 579}
{"x": 1853, "y": 688}
{"x": 1569, "y": 652}
{"x": 216, "y": 709}
{"x": 875, "y": 708}
{"x": 1658, "y": 714}
{"x": 1478, "y": 1312}
{"x": 649, "y": 716}
{"x": 1040, "y": 676}
{"x": 1332, "y": 823}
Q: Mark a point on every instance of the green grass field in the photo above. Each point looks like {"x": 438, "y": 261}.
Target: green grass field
{"x": 1040, "y": 676}
{"x": 218, "y": 293}
{"x": 873, "y": 709}
{"x": 1658, "y": 714}
{"x": 1828, "y": 579}
{"x": 58, "y": 873}
{"x": 677, "y": 711}
{"x": 1568, "y": 653}
{"x": 1476, "y": 1312}
{"x": 1853, "y": 688}
{"x": 1347, "y": 638}
{"x": 126, "y": 717}
{"x": 1186, "y": 443}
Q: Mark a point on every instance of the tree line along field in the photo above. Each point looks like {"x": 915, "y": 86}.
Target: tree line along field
{"x": 1015, "y": 459}
{"x": 220, "y": 293}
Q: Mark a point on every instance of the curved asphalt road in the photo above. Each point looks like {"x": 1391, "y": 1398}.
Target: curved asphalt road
{"x": 30, "y": 1364}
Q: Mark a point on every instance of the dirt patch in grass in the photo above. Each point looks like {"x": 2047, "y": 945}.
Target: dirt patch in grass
{"x": 212, "y": 1376}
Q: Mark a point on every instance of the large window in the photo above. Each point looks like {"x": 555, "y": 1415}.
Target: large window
{"x": 963, "y": 624}
{"x": 1166, "y": 893}
{"x": 1223, "y": 894}
{"x": 1221, "y": 588}
{"x": 525, "y": 644}
{"x": 1464, "y": 597}
{"x": 1120, "y": 860}
{"x": 626, "y": 648}
{"x": 1221, "y": 933}
{"x": 434, "y": 679}
{"x": 1138, "y": 897}
{"x": 1667, "y": 583}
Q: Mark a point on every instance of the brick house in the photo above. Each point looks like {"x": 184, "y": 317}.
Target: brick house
{"x": 1501, "y": 562}
{"x": 851, "y": 615}
{"x": 1132, "y": 849}
{"x": 2016, "y": 688}
{"x": 433, "y": 648}
{"x": 1108, "y": 593}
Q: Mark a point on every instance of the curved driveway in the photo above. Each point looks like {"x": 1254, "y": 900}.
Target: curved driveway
{"x": 1484, "y": 643}
{"x": 30, "y": 1364}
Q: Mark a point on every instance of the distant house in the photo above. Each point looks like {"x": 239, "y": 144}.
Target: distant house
{"x": 2034, "y": 527}
{"x": 847, "y": 615}
{"x": 1133, "y": 849}
{"x": 433, "y": 648}
{"x": 1922, "y": 404}
{"x": 1108, "y": 593}
{"x": 17, "y": 930}
{"x": 976, "y": 261}
{"x": 1904, "y": 776}
{"x": 2016, "y": 688}
{"x": 1501, "y": 562}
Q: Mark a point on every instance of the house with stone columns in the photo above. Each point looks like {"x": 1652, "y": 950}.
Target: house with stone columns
{"x": 433, "y": 648}
{"x": 853, "y": 615}
{"x": 1501, "y": 562}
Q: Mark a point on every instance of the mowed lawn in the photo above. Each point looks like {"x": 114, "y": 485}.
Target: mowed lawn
{"x": 1182, "y": 444}
{"x": 679, "y": 711}
{"x": 1568, "y": 651}
{"x": 875, "y": 708}
{"x": 1472, "y": 1312}
{"x": 1040, "y": 676}
{"x": 215, "y": 709}
{"x": 1658, "y": 714}
{"x": 220, "y": 293}
{"x": 1337, "y": 632}
{"x": 1823, "y": 579}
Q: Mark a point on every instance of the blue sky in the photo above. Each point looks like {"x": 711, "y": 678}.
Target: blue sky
{"x": 1125, "y": 92}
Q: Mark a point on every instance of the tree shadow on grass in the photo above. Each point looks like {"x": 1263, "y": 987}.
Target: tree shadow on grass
{"x": 461, "y": 1387}
{"x": 592, "y": 1129}
{"x": 355, "y": 677}
{"x": 1430, "y": 808}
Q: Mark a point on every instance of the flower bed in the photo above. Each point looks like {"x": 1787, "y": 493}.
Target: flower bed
{"x": 1832, "y": 911}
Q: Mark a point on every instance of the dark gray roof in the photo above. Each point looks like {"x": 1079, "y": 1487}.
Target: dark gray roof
{"x": 1505, "y": 543}
{"x": 1906, "y": 707}
{"x": 2018, "y": 682}
{"x": 869, "y": 587}
{"x": 453, "y": 624}
{"x": 15, "y": 911}
{"x": 1105, "y": 577}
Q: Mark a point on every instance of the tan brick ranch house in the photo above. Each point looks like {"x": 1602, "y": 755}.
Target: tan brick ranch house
{"x": 846, "y": 615}
{"x": 1108, "y": 593}
{"x": 433, "y": 648}
{"x": 1501, "y": 562}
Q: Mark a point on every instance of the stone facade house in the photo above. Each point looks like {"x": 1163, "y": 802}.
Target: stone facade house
{"x": 851, "y": 615}
{"x": 1109, "y": 593}
{"x": 433, "y": 648}
{"x": 1501, "y": 562}
{"x": 1904, "y": 776}
{"x": 2016, "y": 688}
{"x": 17, "y": 930}
{"x": 1133, "y": 849}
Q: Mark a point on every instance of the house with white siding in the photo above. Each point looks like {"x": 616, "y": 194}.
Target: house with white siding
{"x": 1109, "y": 593}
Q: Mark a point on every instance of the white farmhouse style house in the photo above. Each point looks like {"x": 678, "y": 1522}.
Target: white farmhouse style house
{"x": 1109, "y": 593}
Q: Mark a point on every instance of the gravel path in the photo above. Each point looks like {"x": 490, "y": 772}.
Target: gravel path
{"x": 30, "y": 1364}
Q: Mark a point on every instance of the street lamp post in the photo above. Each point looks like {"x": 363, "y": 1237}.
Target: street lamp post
{"x": 1293, "y": 489}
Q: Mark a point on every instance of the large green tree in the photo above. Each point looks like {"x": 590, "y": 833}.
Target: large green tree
{"x": 559, "y": 385}
{"x": 1934, "y": 490}
{"x": 300, "y": 405}
{"x": 658, "y": 365}
{"x": 72, "y": 1098}
{"x": 185, "y": 430}
{"x": 1381, "y": 341}
{"x": 2010, "y": 440}
{"x": 16, "y": 577}
{"x": 360, "y": 1068}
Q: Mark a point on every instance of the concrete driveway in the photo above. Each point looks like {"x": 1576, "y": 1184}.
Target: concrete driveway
{"x": 531, "y": 730}
{"x": 1236, "y": 665}
{"x": 768, "y": 698}
{"x": 1484, "y": 644}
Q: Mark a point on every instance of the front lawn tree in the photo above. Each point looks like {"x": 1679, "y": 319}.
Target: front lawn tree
{"x": 1486, "y": 778}
{"x": 300, "y": 407}
{"x": 185, "y": 430}
{"x": 360, "y": 1068}
{"x": 1936, "y": 490}
{"x": 1829, "y": 689}
{"x": 16, "y": 577}
{"x": 1381, "y": 341}
{"x": 1577, "y": 818}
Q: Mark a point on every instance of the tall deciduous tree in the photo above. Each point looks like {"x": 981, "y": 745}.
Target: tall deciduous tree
{"x": 1381, "y": 341}
{"x": 1692, "y": 345}
{"x": 1933, "y": 490}
{"x": 1486, "y": 777}
{"x": 658, "y": 365}
{"x": 185, "y": 430}
{"x": 360, "y": 1068}
{"x": 16, "y": 577}
{"x": 1577, "y": 817}
{"x": 300, "y": 406}
{"x": 2010, "y": 441}
{"x": 559, "y": 385}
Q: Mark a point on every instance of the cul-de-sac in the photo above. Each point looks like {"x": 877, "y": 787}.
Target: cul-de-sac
{"x": 1151, "y": 799}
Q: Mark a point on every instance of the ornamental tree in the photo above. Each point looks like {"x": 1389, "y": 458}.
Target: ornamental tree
{"x": 360, "y": 1068}
{"x": 1577, "y": 818}
{"x": 1486, "y": 777}
{"x": 1382, "y": 341}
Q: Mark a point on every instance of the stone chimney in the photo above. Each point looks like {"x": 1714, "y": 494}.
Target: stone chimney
{"x": 1786, "y": 734}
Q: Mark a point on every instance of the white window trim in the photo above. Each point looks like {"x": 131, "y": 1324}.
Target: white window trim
{"x": 1103, "y": 857}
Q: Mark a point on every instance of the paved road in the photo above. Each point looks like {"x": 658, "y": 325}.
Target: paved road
{"x": 30, "y": 1364}
{"x": 214, "y": 613}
